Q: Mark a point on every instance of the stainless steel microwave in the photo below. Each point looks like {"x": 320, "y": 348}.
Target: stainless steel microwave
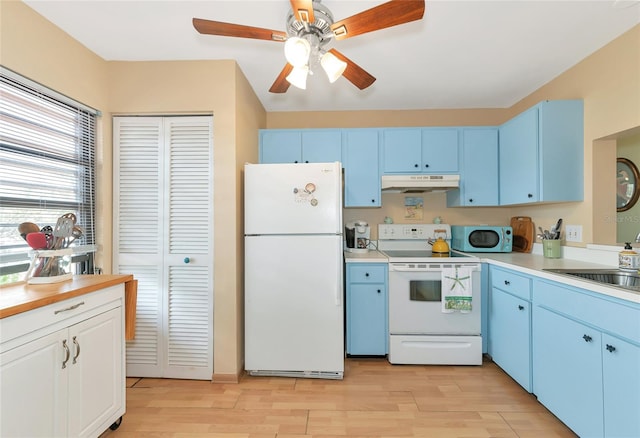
{"x": 481, "y": 238}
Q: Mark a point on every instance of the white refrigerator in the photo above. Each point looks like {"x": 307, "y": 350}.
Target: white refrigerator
{"x": 294, "y": 309}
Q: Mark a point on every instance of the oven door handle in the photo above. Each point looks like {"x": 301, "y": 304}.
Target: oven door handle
{"x": 404, "y": 269}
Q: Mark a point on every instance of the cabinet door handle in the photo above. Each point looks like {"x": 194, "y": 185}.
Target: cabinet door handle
{"x": 373, "y": 201}
{"x": 366, "y": 274}
{"x": 610, "y": 348}
{"x": 415, "y": 165}
{"x": 529, "y": 195}
{"x": 75, "y": 342}
{"x": 520, "y": 307}
{"x": 67, "y": 353}
{"x": 470, "y": 200}
{"x": 75, "y": 306}
{"x": 379, "y": 291}
{"x": 587, "y": 338}
{"x": 507, "y": 282}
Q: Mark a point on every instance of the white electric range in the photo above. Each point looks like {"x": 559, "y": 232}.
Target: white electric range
{"x": 421, "y": 330}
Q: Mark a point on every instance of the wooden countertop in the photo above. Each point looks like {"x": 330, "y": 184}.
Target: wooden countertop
{"x": 21, "y": 297}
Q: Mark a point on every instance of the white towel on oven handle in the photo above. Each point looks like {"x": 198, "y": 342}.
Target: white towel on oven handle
{"x": 456, "y": 289}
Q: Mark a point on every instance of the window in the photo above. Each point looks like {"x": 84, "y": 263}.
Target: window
{"x": 47, "y": 167}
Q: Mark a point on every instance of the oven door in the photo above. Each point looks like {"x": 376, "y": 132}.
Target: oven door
{"x": 415, "y": 305}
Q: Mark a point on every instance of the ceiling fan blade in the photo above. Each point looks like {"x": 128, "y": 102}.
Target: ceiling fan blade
{"x": 209, "y": 27}
{"x": 281, "y": 85}
{"x": 388, "y": 14}
{"x": 303, "y": 10}
{"x": 354, "y": 73}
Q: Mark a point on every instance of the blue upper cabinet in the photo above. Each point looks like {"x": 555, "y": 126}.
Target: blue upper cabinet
{"x": 542, "y": 154}
{"x": 300, "y": 146}
{"x": 361, "y": 168}
{"x": 440, "y": 147}
{"x": 402, "y": 150}
{"x": 479, "y": 171}
{"x": 420, "y": 150}
{"x": 280, "y": 146}
{"x": 322, "y": 146}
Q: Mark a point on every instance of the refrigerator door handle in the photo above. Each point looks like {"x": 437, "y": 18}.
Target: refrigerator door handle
{"x": 339, "y": 290}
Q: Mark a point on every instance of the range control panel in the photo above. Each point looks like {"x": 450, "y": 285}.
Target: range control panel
{"x": 413, "y": 231}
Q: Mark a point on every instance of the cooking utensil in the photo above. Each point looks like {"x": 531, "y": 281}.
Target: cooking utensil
{"x": 76, "y": 233}
{"x": 27, "y": 227}
{"x": 557, "y": 227}
{"x": 62, "y": 230}
{"x": 37, "y": 240}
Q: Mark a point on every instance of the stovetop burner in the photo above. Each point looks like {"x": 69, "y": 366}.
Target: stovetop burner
{"x": 414, "y": 254}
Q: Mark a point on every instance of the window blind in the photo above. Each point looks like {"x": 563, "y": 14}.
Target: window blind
{"x": 47, "y": 163}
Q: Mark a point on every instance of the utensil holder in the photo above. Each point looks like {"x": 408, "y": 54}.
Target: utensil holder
{"x": 551, "y": 248}
{"x": 50, "y": 267}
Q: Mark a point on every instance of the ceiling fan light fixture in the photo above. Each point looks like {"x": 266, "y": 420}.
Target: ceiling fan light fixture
{"x": 332, "y": 66}
{"x": 298, "y": 77}
{"x": 297, "y": 51}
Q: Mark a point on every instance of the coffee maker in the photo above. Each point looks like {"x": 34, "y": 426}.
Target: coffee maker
{"x": 357, "y": 235}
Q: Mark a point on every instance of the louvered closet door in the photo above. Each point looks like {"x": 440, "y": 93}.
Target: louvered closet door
{"x": 163, "y": 216}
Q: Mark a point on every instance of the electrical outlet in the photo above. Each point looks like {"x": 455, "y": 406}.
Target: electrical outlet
{"x": 573, "y": 233}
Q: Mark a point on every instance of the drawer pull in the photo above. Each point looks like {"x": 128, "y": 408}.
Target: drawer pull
{"x": 75, "y": 306}
{"x": 610, "y": 348}
{"x": 366, "y": 274}
{"x": 587, "y": 338}
{"x": 75, "y": 342}
{"x": 67, "y": 353}
{"x": 379, "y": 291}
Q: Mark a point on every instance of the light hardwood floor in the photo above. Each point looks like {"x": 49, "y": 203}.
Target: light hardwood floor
{"x": 375, "y": 399}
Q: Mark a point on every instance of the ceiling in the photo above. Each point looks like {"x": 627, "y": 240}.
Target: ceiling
{"x": 462, "y": 54}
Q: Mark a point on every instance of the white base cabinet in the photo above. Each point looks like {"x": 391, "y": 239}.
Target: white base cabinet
{"x": 62, "y": 367}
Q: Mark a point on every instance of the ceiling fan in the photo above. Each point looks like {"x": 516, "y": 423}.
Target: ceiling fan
{"x": 309, "y": 27}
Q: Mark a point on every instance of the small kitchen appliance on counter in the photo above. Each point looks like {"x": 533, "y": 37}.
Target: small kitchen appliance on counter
{"x": 421, "y": 328}
{"x": 357, "y": 236}
{"x": 481, "y": 238}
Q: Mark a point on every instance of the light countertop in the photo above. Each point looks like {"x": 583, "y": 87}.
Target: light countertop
{"x": 530, "y": 264}
{"x": 371, "y": 256}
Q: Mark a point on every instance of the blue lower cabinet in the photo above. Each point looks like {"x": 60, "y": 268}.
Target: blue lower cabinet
{"x": 366, "y": 307}
{"x": 509, "y": 321}
{"x": 568, "y": 371}
{"x": 586, "y": 359}
{"x": 510, "y": 328}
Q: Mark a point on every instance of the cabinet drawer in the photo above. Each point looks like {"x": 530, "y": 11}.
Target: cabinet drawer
{"x": 63, "y": 313}
{"x": 615, "y": 316}
{"x": 515, "y": 284}
{"x": 360, "y": 273}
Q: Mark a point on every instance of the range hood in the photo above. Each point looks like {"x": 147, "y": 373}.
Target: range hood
{"x": 419, "y": 183}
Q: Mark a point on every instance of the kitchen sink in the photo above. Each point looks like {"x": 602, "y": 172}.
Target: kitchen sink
{"x": 615, "y": 277}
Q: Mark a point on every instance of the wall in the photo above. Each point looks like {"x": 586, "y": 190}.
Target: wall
{"x": 38, "y": 50}
{"x": 33, "y": 47}
{"x": 609, "y": 83}
{"x": 218, "y": 88}
{"x": 628, "y": 222}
